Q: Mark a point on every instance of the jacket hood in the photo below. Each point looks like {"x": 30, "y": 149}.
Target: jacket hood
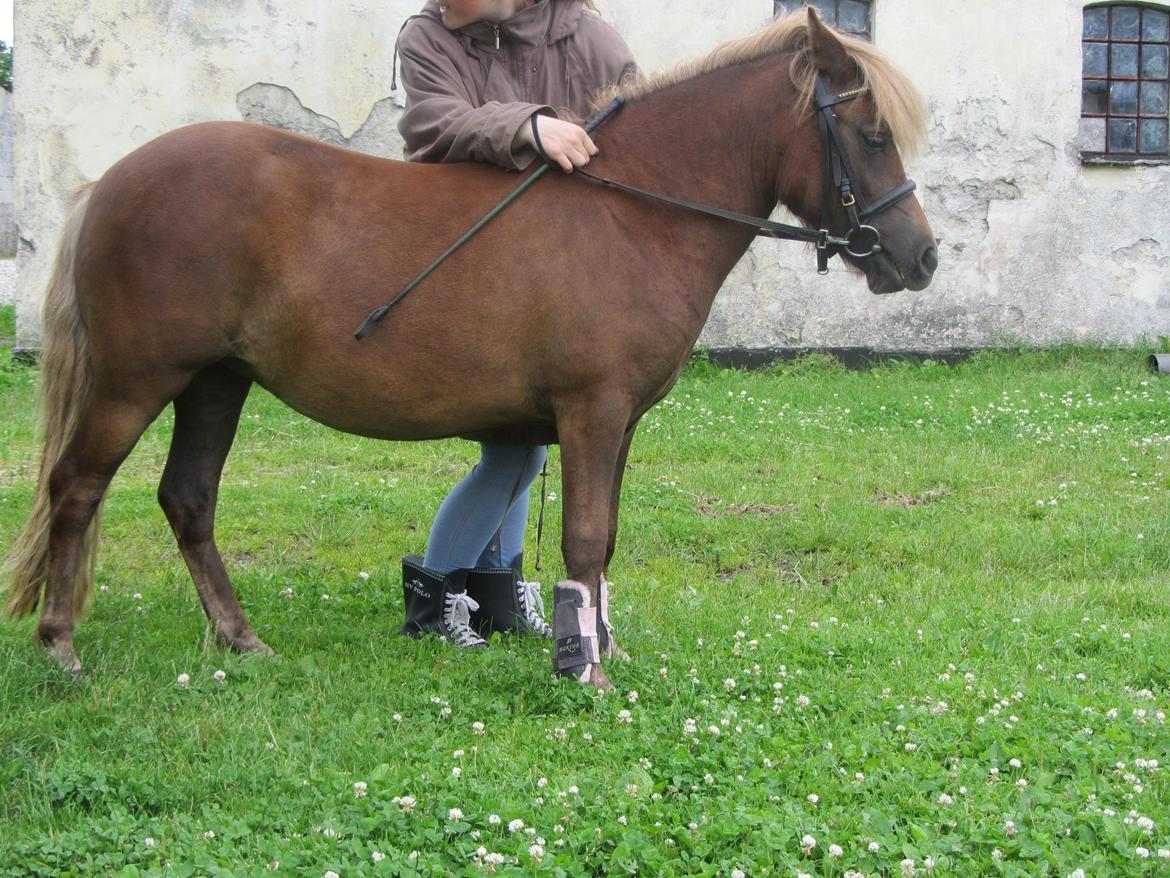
{"x": 543, "y": 23}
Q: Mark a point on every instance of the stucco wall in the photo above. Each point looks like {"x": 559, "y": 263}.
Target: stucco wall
{"x": 7, "y": 178}
{"x": 1036, "y": 247}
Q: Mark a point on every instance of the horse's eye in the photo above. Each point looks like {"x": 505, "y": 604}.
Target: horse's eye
{"x": 876, "y": 142}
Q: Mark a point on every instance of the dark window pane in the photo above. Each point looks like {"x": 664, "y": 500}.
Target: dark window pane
{"x": 1154, "y": 61}
{"x": 1125, "y": 22}
{"x": 1123, "y": 98}
{"x": 1155, "y": 26}
{"x": 1125, "y": 59}
{"x": 1096, "y": 24}
{"x": 1154, "y": 99}
{"x": 1153, "y": 136}
{"x": 1123, "y": 135}
{"x": 1093, "y": 99}
{"x": 1096, "y": 57}
{"x": 854, "y": 16}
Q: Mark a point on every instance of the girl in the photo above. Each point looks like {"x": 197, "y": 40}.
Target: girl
{"x": 484, "y": 80}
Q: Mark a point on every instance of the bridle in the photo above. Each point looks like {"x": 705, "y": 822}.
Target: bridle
{"x": 860, "y": 241}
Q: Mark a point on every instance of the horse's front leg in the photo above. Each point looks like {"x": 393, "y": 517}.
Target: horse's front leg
{"x": 591, "y": 435}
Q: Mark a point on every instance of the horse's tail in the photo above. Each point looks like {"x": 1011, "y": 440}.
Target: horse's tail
{"x": 66, "y": 386}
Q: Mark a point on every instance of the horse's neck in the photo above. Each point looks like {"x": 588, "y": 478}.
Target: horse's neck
{"x": 713, "y": 140}
{"x": 710, "y": 139}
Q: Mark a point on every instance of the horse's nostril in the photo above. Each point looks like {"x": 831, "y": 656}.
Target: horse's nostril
{"x": 929, "y": 260}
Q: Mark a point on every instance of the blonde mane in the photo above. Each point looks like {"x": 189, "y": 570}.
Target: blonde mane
{"x": 897, "y": 101}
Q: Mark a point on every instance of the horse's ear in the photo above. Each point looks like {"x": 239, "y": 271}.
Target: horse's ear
{"x": 831, "y": 57}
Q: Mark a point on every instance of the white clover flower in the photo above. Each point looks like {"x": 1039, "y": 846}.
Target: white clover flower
{"x": 359, "y": 789}
{"x": 1077, "y": 873}
{"x": 873, "y": 847}
{"x": 456, "y": 771}
{"x": 807, "y": 844}
{"x": 928, "y": 863}
{"x": 813, "y": 798}
{"x": 944, "y": 799}
{"x": 377, "y": 856}
{"x": 405, "y": 803}
{"x": 624, "y": 716}
{"x": 835, "y": 851}
{"x": 623, "y": 820}
{"x": 209, "y": 834}
{"x": 397, "y": 717}
{"x": 729, "y": 684}
{"x": 910, "y": 747}
{"x": 219, "y": 676}
{"x": 997, "y": 854}
{"x": 515, "y": 825}
{"x": 1009, "y": 828}
{"x": 363, "y": 576}
{"x": 1015, "y": 763}
{"x": 632, "y": 696}
{"x": 454, "y": 815}
{"x": 183, "y": 680}
{"x": 714, "y": 730}
{"x": 331, "y": 874}
{"x": 494, "y": 819}
{"x": 478, "y": 727}
{"x": 907, "y": 867}
{"x": 1143, "y": 853}
{"x": 1021, "y": 783}
{"x": 738, "y": 873}
{"x": 803, "y": 701}
{"x": 148, "y": 842}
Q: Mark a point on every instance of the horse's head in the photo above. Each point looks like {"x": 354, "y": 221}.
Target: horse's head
{"x": 856, "y": 113}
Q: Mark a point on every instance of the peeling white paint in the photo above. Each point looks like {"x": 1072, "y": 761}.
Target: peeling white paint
{"x": 1036, "y": 246}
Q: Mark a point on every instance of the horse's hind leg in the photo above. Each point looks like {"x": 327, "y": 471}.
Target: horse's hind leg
{"x": 106, "y": 433}
{"x": 206, "y": 416}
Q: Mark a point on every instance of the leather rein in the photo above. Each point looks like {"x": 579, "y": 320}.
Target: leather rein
{"x": 860, "y": 241}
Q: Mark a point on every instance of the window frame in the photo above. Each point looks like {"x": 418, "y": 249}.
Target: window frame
{"x": 779, "y": 6}
{"x": 1108, "y": 155}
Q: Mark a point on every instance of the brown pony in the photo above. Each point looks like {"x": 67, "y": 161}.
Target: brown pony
{"x": 225, "y": 254}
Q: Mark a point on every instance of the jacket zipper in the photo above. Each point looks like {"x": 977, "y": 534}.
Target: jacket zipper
{"x": 496, "y": 31}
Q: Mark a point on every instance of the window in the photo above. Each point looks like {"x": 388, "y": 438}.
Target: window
{"x": 848, "y": 16}
{"x": 1125, "y": 107}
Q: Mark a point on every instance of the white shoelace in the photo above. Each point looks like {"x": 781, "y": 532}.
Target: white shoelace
{"x": 533, "y": 606}
{"x": 458, "y": 618}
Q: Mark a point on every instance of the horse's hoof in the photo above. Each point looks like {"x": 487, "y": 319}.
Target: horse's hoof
{"x": 62, "y": 653}
{"x": 588, "y": 675}
{"x": 248, "y": 643}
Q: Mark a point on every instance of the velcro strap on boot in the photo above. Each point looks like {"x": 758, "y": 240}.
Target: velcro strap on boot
{"x": 603, "y": 603}
{"x": 575, "y": 626}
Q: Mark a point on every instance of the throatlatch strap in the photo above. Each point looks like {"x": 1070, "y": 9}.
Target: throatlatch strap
{"x": 575, "y": 625}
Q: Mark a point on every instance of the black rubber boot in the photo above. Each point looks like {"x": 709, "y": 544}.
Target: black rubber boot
{"x": 437, "y": 604}
{"x": 506, "y": 601}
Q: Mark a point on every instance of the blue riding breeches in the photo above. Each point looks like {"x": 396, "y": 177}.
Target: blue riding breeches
{"x": 482, "y": 521}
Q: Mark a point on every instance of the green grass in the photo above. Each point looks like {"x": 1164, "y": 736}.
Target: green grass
{"x": 906, "y": 572}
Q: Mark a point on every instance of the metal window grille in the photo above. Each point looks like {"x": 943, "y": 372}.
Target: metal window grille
{"x": 853, "y": 17}
{"x": 1125, "y": 103}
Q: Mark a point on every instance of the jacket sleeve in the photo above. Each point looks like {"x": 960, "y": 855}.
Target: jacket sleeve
{"x": 441, "y": 122}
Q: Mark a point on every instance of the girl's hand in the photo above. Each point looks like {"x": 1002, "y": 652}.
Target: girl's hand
{"x": 565, "y": 143}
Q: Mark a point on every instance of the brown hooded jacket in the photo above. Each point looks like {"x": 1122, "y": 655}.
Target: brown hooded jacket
{"x": 469, "y": 91}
